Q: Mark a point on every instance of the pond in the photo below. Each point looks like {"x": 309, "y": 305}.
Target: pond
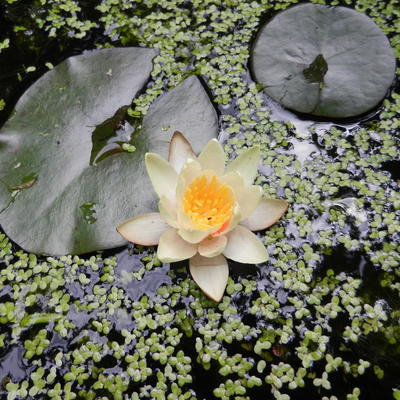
{"x": 318, "y": 320}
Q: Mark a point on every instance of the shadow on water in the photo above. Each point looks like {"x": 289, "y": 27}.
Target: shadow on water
{"x": 12, "y": 365}
{"x": 148, "y": 285}
{"x": 35, "y": 47}
{"x": 357, "y": 265}
{"x": 393, "y": 167}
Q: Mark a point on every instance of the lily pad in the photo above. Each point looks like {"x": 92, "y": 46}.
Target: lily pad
{"x": 55, "y": 198}
{"x": 325, "y": 61}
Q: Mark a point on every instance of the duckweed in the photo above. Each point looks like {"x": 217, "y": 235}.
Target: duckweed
{"x": 319, "y": 319}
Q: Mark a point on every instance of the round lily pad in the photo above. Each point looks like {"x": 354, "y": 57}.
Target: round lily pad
{"x": 71, "y": 168}
{"x": 325, "y": 61}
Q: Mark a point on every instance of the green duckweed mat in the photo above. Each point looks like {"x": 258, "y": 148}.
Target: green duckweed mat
{"x": 320, "y": 320}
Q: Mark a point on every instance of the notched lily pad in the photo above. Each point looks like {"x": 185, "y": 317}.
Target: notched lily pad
{"x": 64, "y": 127}
{"x": 317, "y": 70}
{"x": 107, "y": 138}
{"x": 325, "y": 61}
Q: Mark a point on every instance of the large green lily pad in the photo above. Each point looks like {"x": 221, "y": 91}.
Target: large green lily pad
{"x": 325, "y": 61}
{"x": 54, "y": 199}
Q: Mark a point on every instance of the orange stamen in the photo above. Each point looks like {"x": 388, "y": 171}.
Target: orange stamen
{"x": 208, "y": 202}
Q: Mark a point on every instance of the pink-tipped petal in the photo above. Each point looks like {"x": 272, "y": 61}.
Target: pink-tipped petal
{"x": 212, "y": 246}
{"x": 162, "y": 175}
{"x": 173, "y": 248}
{"x": 213, "y": 157}
{"x": 246, "y": 164}
{"x": 180, "y": 150}
{"x": 245, "y": 247}
{"x": 211, "y": 274}
{"x": 145, "y": 229}
{"x": 266, "y": 214}
{"x": 227, "y": 227}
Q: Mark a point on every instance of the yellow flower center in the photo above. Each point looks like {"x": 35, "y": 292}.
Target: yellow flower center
{"x": 208, "y": 202}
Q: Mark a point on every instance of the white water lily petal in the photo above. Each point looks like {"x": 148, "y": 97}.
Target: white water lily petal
{"x": 190, "y": 171}
{"x": 248, "y": 199}
{"x": 213, "y": 157}
{"x": 211, "y": 274}
{"x": 180, "y": 150}
{"x": 245, "y": 247}
{"x": 234, "y": 180}
{"x": 266, "y": 214}
{"x": 195, "y": 235}
{"x": 162, "y": 175}
{"x": 247, "y": 196}
{"x": 213, "y": 246}
{"x": 246, "y": 164}
{"x": 185, "y": 222}
{"x": 145, "y": 229}
{"x": 168, "y": 211}
{"x": 173, "y": 248}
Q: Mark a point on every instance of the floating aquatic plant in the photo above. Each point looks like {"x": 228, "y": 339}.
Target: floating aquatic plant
{"x": 325, "y": 61}
{"x": 207, "y": 212}
{"x": 68, "y": 144}
{"x": 327, "y": 301}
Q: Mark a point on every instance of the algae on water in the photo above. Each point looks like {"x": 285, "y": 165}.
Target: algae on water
{"x": 319, "y": 321}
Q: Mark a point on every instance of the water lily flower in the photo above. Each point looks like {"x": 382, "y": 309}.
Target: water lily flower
{"x": 207, "y": 212}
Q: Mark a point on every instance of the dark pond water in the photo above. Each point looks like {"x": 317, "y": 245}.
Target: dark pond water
{"x": 32, "y": 46}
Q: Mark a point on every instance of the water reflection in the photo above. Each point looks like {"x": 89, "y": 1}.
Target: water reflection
{"x": 129, "y": 263}
{"x": 12, "y": 365}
